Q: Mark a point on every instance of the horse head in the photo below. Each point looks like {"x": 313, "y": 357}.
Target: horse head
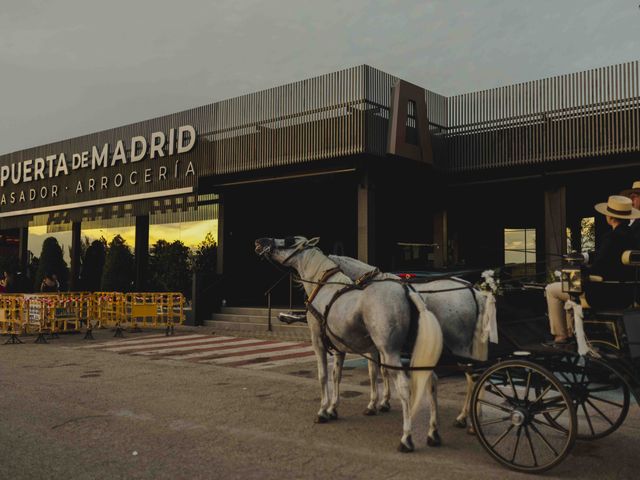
{"x": 281, "y": 250}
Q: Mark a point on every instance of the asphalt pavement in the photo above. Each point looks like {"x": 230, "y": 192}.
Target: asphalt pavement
{"x": 94, "y": 413}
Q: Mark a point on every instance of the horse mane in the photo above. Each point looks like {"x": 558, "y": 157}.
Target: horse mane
{"x": 358, "y": 265}
{"x": 317, "y": 262}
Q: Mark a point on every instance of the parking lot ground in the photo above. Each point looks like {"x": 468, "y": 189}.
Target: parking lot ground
{"x": 75, "y": 412}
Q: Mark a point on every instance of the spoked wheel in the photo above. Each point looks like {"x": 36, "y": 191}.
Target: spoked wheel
{"x": 600, "y": 396}
{"x": 510, "y": 405}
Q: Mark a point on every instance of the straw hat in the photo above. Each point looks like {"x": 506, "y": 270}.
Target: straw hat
{"x": 618, "y": 207}
{"x": 634, "y": 189}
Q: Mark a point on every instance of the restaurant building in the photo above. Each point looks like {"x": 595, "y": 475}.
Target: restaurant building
{"x": 379, "y": 168}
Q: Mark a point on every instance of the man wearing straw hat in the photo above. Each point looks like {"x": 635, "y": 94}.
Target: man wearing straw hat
{"x": 634, "y": 194}
{"x": 607, "y": 264}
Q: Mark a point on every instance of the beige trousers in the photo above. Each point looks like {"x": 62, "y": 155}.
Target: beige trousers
{"x": 560, "y": 320}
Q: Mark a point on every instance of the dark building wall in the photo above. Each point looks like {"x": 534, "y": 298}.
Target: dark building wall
{"x": 322, "y": 207}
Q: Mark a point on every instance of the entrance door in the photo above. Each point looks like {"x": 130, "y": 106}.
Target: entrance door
{"x": 316, "y": 207}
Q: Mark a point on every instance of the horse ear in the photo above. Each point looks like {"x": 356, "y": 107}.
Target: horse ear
{"x": 313, "y": 241}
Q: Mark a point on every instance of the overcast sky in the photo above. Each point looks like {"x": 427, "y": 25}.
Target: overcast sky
{"x": 71, "y": 67}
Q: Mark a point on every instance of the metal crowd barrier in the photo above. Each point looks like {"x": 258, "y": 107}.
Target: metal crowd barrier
{"x": 155, "y": 310}
{"x": 107, "y": 308}
{"x": 12, "y": 316}
{"x": 22, "y": 314}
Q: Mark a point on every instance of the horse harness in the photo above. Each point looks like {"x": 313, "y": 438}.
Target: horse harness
{"x": 360, "y": 283}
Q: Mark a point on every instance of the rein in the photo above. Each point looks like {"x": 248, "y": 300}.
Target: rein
{"x": 359, "y": 284}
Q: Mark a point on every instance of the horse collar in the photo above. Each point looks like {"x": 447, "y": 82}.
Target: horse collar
{"x": 325, "y": 276}
{"x": 365, "y": 278}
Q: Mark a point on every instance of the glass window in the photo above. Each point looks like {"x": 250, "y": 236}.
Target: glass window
{"x": 587, "y": 234}
{"x": 38, "y": 234}
{"x": 108, "y": 228}
{"x": 520, "y": 249}
{"x": 190, "y": 227}
{"x": 519, "y": 245}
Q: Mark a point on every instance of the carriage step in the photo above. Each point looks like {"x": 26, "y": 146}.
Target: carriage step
{"x": 293, "y": 317}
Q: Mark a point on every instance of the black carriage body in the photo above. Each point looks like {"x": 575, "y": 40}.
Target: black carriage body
{"x": 617, "y": 331}
{"x": 616, "y": 335}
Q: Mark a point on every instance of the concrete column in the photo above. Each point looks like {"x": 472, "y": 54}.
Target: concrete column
{"x": 220, "y": 251}
{"x": 555, "y": 227}
{"x": 142, "y": 251}
{"x": 23, "y": 250}
{"x": 76, "y": 241}
{"x": 441, "y": 238}
{"x": 366, "y": 217}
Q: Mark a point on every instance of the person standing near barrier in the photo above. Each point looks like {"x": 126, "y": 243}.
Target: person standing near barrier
{"x": 10, "y": 285}
{"x": 50, "y": 284}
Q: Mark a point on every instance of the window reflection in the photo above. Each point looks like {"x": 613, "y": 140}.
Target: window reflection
{"x": 109, "y": 228}
{"x": 587, "y": 234}
{"x": 176, "y": 246}
{"x": 38, "y": 234}
{"x": 190, "y": 227}
{"x": 520, "y": 250}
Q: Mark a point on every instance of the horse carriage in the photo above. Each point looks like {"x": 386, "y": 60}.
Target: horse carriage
{"x": 531, "y": 402}
{"x": 527, "y": 403}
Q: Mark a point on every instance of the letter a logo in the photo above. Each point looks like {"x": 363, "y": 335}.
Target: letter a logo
{"x": 402, "y": 94}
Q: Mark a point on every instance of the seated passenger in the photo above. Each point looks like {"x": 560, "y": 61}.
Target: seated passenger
{"x": 634, "y": 194}
{"x": 607, "y": 264}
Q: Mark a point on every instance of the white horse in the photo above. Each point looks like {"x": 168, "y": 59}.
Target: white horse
{"x": 466, "y": 316}
{"x": 364, "y": 321}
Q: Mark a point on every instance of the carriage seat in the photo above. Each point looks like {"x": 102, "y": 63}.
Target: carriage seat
{"x": 613, "y": 294}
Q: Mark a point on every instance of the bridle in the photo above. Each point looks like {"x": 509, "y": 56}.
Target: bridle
{"x": 298, "y": 248}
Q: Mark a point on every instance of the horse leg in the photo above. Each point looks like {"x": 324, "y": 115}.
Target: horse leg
{"x": 433, "y": 437}
{"x": 373, "y": 385}
{"x": 338, "y": 361}
{"x": 404, "y": 392}
{"x": 321, "y": 358}
{"x": 461, "y": 419}
{"x": 385, "y": 405}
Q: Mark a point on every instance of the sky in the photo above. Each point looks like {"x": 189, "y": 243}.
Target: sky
{"x": 72, "y": 67}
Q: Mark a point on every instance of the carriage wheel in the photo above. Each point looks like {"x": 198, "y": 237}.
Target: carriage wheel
{"x": 509, "y": 406}
{"x": 600, "y": 396}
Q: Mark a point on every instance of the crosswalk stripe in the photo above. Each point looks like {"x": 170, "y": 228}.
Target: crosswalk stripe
{"x": 302, "y": 358}
{"x": 152, "y": 345}
{"x": 213, "y": 349}
{"x": 262, "y": 349}
{"x": 143, "y": 340}
{"x": 212, "y": 344}
{"x": 229, "y": 349}
{"x": 259, "y": 357}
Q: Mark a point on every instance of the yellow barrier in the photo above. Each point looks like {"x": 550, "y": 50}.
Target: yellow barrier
{"x": 69, "y": 311}
{"x": 107, "y": 308}
{"x": 154, "y": 309}
{"x": 12, "y": 307}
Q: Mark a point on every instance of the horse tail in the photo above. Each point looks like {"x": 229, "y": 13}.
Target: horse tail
{"x": 426, "y": 350}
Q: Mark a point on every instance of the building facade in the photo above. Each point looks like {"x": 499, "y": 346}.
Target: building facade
{"x": 380, "y": 169}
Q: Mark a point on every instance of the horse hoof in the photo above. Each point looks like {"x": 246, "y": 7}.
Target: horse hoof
{"x": 406, "y": 446}
{"x": 333, "y": 415}
{"x": 321, "y": 419}
{"x": 385, "y": 407}
{"x": 471, "y": 430}
{"x": 460, "y": 423}
{"x": 369, "y": 412}
{"x": 434, "y": 440}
